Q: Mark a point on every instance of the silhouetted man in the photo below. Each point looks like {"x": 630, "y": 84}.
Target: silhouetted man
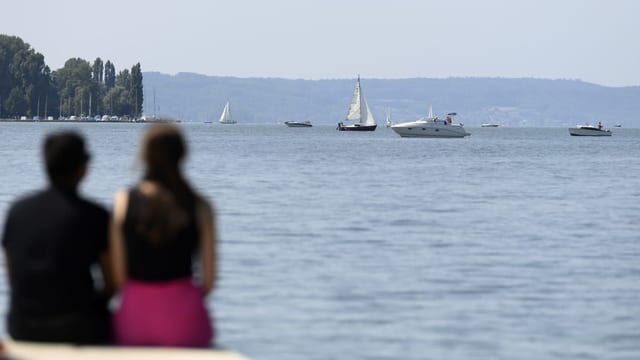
{"x": 52, "y": 239}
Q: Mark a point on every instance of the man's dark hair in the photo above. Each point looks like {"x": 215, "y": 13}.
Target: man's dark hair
{"x": 64, "y": 153}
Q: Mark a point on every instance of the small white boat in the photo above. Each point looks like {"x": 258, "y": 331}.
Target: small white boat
{"x": 589, "y": 130}
{"x": 225, "y": 117}
{"x": 298, "y": 123}
{"x": 431, "y": 127}
{"x": 488, "y": 125}
{"x": 388, "y": 121}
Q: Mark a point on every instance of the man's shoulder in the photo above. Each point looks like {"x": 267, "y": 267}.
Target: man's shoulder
{"x": 27, "y": 200}
{"x": 94, "y": 207}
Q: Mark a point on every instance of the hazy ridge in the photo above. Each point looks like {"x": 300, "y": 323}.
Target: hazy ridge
{"x": 513, "y": 102}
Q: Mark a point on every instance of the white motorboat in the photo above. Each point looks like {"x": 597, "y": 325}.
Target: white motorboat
{"x": 431, "y": 127}
{"x": 298, "y": 123}
{"x": 589, "y": 130}
{"x": 488, "y": 125}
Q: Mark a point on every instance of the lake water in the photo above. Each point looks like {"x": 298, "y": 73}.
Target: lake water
{"x": 513, "y": 243}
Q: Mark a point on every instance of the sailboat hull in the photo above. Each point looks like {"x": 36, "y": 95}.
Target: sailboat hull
{"x": 356, "y": 127}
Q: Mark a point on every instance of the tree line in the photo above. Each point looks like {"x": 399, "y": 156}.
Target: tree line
{"x": 29, "y": 88}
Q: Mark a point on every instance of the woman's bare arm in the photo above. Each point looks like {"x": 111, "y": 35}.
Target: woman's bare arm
{"x": 116, "y": 239}
{"x": 208, "y": 246}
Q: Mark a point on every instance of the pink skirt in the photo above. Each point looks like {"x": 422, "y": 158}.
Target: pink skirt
{"x": 168, "y": 313}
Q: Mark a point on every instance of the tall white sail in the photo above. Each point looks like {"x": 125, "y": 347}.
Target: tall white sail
{"x": 225, "y": 118}
{"x": 358, "y": 109}
{"x": 389, "y": 123}
{"x": 355, "y": 107}
{"x": 366, "y": 119}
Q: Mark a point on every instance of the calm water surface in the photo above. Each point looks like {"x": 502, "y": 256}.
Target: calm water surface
{"x": 514, "y": 243}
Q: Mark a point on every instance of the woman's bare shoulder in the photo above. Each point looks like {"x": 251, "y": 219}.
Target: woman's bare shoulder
{"x": 204, "y": 205}
{"x": 149, "y": 188}
{"x": 121, "y": 196}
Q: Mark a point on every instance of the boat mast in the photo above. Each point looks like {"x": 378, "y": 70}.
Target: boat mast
{"x": 363, "y": 104}
{"x": 388, "y": 116}
{"x": 154, "y": 102}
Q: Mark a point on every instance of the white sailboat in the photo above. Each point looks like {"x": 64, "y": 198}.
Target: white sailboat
{"x": 226, "y": 118}
{"x": 389, "y": 122}
{"x": 359, "y": 113}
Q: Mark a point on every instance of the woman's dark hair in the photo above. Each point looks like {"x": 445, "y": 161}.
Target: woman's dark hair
{"x": 64, "y": 153}
{"x": 163, "y": 149}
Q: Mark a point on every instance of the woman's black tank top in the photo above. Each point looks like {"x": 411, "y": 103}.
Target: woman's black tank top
{"x": 157, "y": 261}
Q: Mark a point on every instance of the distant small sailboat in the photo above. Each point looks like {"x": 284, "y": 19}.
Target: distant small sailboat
{"x": 226, "y": 118}
{"x": 358, "y": 112}
{"x": 388, "y": 120}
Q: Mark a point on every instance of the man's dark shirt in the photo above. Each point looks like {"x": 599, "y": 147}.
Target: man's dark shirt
{"x": 51, "y": 240}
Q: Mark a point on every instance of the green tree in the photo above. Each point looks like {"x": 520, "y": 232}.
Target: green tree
{"x": 116, "y": 101}
{"x": 137, "y": 89}
{"x": 25, "y": 80}
{"x": 28, "y": 87}
{"x": 109, "y": 75}
{"x": 15, "y": 103}
{"x": 76, "y": 86}
{"x": 122, "y": 93}
{"x": 98, "y": 70}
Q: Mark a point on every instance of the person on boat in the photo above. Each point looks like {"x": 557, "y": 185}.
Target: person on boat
{"x": 600, "y": 125}
{"x": 52, "y": 239}
{"x": 448, "y": 120}
{"x": 158, "y": 226}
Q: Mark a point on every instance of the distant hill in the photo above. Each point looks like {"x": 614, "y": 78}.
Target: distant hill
{"x": 512, "y": 102}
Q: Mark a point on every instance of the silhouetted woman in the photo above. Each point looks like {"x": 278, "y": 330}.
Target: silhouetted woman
{"x": 159, "y": 227}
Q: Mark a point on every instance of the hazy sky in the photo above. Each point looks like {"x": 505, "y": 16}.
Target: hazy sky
{"x": 592, "y": 40}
